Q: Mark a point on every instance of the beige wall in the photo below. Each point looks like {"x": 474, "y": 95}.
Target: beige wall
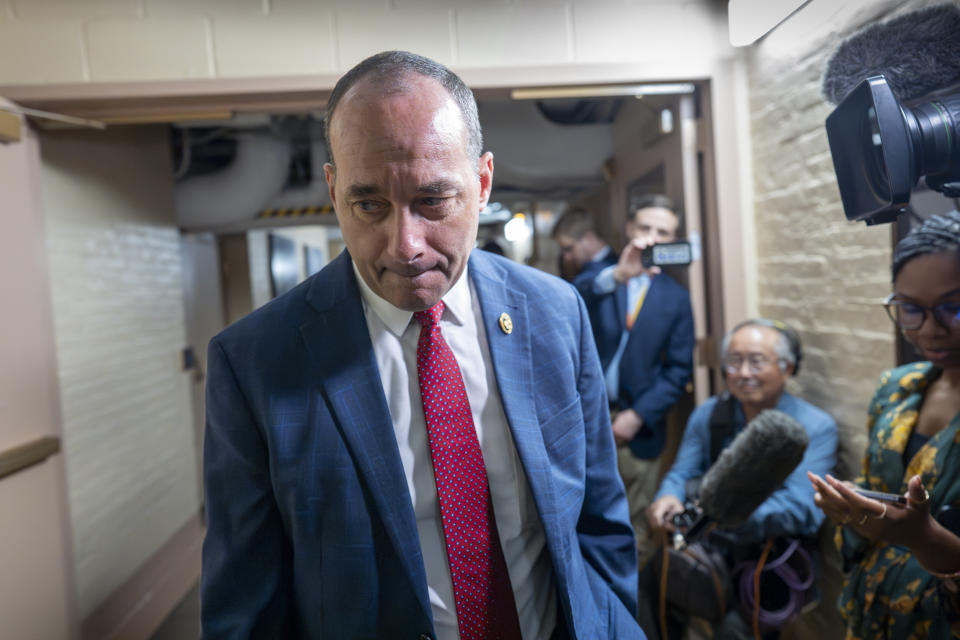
{"x": 58, "y": 41}
{"x": 824, "y": 275}
{"x": 36, "y": 580}
{"x": 118, "y": 306}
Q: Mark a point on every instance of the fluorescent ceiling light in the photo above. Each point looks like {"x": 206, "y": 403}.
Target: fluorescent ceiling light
{"x": 750, "y": 20}
{"x": 603, "y": 91}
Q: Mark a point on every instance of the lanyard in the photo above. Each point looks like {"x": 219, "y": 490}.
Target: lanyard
{"x": 632, "y": 316}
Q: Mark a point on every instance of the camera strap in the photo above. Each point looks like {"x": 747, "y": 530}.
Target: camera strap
{"x": 722, "y": 424}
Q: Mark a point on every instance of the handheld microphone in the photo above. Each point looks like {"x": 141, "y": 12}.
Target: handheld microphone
{"x": 748, "y": 471}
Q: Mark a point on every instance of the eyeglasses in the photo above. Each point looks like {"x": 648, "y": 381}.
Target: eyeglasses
{"x": 909, "y": 316}
{"x": 756, "y": 363}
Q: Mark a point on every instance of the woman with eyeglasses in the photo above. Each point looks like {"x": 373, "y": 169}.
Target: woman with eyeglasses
{"x": 904, "y": 548}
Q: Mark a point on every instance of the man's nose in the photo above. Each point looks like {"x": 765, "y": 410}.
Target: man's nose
{"x": 646, "y": 236}
{"x": 743, "y": 369}
{"x": 406, "y": 241}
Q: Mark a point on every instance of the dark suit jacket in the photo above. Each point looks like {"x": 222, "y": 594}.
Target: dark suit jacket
{"x": 593, "y": 267}
{"x": 658, "y": 359}
{"x": 310, "y": 527}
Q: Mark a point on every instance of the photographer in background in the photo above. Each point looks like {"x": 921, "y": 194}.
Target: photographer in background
{"x": 643, "y": 326}
{"x": 758, "y": 356}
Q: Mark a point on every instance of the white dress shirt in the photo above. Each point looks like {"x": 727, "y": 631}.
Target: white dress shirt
{"x": 394, "y": 335}
{"x": 637, "y": 286}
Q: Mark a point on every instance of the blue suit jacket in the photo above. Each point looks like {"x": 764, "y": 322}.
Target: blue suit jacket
{"x": 310, "y": 527}
{"x": 658, "y": 359}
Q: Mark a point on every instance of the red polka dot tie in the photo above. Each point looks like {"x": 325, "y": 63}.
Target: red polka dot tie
{"x": 486, "y": 609}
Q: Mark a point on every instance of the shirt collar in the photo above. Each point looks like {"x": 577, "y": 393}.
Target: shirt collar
{"x": 600, "y": 255}
{"x": 396, "y": 320}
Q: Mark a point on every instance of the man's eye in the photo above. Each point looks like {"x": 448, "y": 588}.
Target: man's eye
{"x": 367, "y": 206}
{"x": 434, "y": 201}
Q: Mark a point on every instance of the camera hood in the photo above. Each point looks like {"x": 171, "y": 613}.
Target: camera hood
{"x": 871, "y": 153}
{"x": 881, "y": 149}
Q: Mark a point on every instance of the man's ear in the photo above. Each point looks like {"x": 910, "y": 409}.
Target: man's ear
{"x": 485, "y": 173}
{"x": 330, "y": 173}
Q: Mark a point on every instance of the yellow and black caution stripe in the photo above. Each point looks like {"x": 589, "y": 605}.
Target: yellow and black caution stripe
{"x": 299, "y": 212}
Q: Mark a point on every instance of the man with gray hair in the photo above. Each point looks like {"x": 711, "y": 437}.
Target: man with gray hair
{"x": 758, "y": 357}
{"x": 413, "y": 443}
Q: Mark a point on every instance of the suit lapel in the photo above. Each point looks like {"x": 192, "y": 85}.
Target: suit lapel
{"x": 513, "y": 369}
{"x": 346, "y": 369}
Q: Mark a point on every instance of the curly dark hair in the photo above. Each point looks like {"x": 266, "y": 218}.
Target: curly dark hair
{"x": 937, "y": 234}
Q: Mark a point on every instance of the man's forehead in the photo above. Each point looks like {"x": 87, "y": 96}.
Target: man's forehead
{"x": 654, "y": 215}
{"x": 378, "y": 93}
{"x": 379, "y": 116}
{"x": 754, "y": 338}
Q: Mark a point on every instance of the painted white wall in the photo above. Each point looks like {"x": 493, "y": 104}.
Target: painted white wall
{"x": 36, "y": 582}
{"x": 117, "y": 289}
{"x": 60, "y": 41}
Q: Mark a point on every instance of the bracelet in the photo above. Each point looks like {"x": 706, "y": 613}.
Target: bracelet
{"x": 943, "y": 576}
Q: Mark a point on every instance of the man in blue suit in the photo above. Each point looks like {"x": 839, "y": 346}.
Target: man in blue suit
{"x": 643, "y": 325}
{"x": 414, "y": 442}
{"x": 582, "y": 250}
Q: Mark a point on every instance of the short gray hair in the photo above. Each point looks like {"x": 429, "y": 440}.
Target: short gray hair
{"x": 784, "y": 350}
{"x": 390, "y": 69}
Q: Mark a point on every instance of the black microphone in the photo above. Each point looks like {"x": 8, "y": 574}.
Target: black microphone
{"x": 918, "y": 53}
{"x": 749, "y": 470}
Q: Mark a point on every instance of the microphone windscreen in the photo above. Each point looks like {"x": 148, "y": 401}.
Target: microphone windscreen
{"x": 752, "y": 467}
{"x": 918, "y": 52}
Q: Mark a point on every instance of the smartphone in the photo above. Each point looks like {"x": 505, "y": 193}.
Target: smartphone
{"x": 668, "y": 254}
{"x": 895, "y": 498}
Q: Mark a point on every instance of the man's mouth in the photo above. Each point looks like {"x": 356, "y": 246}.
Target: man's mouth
{"x": 409, "y": 272}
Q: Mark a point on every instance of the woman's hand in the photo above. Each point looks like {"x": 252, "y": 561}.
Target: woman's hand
{"x": 907, "y": 525}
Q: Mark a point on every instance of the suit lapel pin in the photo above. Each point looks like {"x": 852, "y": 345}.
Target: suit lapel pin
{"x": 506, "y": 324}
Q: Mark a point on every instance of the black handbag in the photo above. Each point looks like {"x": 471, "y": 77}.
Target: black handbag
{"x": 694, "y": 580}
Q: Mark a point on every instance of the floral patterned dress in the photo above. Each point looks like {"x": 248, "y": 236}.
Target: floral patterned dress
{"x": 887, "y": 594}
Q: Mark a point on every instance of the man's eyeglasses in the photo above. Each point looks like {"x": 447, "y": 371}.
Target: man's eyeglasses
{"x": 756, "y": 363}
{"x": 909, "y": 316}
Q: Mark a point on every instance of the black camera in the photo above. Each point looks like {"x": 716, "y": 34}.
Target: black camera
{"x": 686, "y": 518}
{"x": 881, "y": 149}
{"x": 667, "y": 254}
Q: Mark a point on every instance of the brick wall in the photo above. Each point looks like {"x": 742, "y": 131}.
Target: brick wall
{"x": 821, "y": 274}
{"x": 816, "y": 271}
{"x": 117, "y": 289}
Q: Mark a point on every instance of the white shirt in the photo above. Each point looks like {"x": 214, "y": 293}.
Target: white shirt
{"x": 394, "y": 335}
{"x": 637, "y": 286}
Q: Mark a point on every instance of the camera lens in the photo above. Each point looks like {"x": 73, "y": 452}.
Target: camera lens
{"x": 933, "y": 128}
{"x": 873, "y": 150}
